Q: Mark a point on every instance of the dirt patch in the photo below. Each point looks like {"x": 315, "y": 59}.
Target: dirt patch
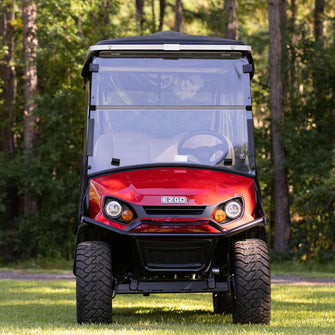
{"x": 275, "y": 279}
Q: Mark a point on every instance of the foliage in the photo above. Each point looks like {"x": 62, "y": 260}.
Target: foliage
{"x": 67, "y": 27}
{"x": 310, "y": 147}
{"x": 49, "y": 308}
{"x": 52, "y": 172}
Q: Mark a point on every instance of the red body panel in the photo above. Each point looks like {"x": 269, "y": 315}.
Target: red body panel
{"x": 146, "y": 187}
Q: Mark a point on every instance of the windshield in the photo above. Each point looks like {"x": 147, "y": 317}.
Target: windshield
{"x": 190, "y": 111}
{"x": 157, "y": 81}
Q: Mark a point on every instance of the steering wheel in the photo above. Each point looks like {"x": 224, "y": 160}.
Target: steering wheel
{"x": 204, "y": 154}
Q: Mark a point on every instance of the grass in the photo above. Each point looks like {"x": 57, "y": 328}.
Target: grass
{"x": 31, "y": 307}
{"x": 305, "y": 270}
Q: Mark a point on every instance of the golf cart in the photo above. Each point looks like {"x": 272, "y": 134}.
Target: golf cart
{"x": 169, "y": 200}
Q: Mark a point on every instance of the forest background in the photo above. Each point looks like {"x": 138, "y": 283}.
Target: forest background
{"x": 42, "y": 50}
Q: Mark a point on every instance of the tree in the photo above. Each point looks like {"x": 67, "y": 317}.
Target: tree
{"x": 162, "y": 6}
{"x": 292, "y": 61}
{"x": 8, "y": 76}
{"x": 139, "y": 15}
{"x": 29, "y": 87}
{"x": 318, "y": 19}
{"x": 282, "y": 214}
{"x": 8, "y": 86}
{"x": 153, "y": 14}
{"x": 179, "y": 17}
{"x": 231, "y": 21}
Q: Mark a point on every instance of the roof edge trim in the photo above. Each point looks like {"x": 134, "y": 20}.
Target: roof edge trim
{"x": 166, "y": 47}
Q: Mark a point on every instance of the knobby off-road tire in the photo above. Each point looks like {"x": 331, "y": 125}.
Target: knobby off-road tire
{"x": 94, "y": 282}
{"x": 222, "y": 303}
{"x": 252, "y": 303}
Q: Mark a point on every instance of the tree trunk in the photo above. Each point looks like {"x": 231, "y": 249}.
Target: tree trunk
{"x": 179, "y": 16}
{"x": 282, "y": 216}
{"x": 284, "y": 42}
{"x": 318, "y": 19}
{"x": 8, "y": 78}
{"x": 139, "y": 15}
{"x": 292, "y": 72}
{"x": 231, "y": 21}
{"x": 162, "y": 6}
{"x": 106, "y": 7}
{"x": 7, "y": 121}
{"x": 153, "y": 30}
{"x": 29, "y": 85}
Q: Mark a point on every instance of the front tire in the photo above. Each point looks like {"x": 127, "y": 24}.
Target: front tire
{"x": 252, "y": 302}
{"x": 94, "y": 288}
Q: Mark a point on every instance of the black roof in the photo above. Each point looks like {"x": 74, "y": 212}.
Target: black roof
{"x": 170, "y": 37}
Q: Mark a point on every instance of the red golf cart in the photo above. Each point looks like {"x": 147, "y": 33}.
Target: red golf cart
{"x": 170, "y": 201}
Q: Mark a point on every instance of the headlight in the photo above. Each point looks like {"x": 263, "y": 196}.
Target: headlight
{"x": 233, "y": 209}
{"x": 113, "y": 209}
{"x": 118, "y": 211}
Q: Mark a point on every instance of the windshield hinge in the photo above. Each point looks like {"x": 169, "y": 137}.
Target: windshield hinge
{"x": 94, "y": 67}
{"x": 252, "y": 163}
{"x": 247, "y": 68}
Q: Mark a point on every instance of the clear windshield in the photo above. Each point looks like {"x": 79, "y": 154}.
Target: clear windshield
{"x": 190, "y": 111}
{"x": 157, "y": 81}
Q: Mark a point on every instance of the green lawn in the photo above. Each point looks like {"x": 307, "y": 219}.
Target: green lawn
{"x": 39, "y": 307}
{"x": 305, "y": 270}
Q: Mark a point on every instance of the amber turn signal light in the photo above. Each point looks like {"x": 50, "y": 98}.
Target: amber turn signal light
{"x": 127, "y": 215}
{"x": 219, "y": 215}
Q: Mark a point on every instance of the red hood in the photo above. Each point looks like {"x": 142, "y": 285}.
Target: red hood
{"x": 146, "y": 187}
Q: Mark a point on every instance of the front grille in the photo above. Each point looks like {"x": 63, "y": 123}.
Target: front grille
{"x": 174, "y": 210}
{"x": 177, "y": 255}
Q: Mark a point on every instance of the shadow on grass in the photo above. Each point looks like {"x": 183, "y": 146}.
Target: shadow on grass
{"x": 145, "y": 314}
{"x": 64, "y": 314}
